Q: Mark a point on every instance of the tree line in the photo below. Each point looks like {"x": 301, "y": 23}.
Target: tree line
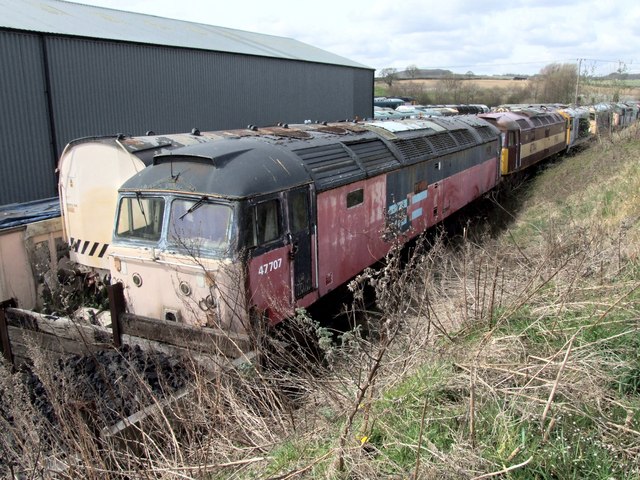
{"x": 556, "y": 82}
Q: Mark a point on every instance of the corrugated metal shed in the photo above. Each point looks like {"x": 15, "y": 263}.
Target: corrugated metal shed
{"x": 66, "y": 18}
{"x": 27, "y": 161}
{"x": 71, "y": 71}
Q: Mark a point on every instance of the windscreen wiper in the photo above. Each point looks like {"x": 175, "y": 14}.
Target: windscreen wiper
{"x": 194, "y": 207}
{"x": 146, "y": 222}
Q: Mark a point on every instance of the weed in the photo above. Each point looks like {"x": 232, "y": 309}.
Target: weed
{"x": 509, "y": 352}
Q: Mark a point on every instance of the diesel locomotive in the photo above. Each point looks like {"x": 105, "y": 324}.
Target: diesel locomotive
{"x": 221, "y": 228}
{"x": 228, "y": 228}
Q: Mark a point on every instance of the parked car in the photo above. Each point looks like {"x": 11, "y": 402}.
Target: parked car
{"x": 383, "y": 113}
{"x": 416, "y": 111}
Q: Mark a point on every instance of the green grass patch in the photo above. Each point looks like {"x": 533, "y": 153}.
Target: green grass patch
{"x": 379, "y": 91}
{"x": 399, "y": 413}
{"x": 296, "y": 453}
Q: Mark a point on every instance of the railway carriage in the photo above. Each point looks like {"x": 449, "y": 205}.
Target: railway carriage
{"x": 268, "y": 220}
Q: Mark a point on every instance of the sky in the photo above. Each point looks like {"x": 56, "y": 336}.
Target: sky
{"x": 486, "y": 37}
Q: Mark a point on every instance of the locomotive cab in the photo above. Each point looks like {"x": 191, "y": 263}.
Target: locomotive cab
{"x": 176, "y": 256}
{"x": 211, "y": 240}
{"x": 510, "y": 140}
{"x": 529, "y": 135}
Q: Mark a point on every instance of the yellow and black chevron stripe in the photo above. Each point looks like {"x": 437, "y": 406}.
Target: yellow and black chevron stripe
{"x": 79, "y": 246}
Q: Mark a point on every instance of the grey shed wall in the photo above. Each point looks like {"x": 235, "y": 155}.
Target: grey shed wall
{"x": 98, "y": 87}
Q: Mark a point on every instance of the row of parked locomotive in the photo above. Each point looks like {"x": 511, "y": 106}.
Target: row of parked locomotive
{"x": 589, "y": 121}
{"x": 230, "y": 227}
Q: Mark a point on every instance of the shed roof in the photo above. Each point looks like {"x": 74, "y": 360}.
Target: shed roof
{"x": 19, "y": 214}
{"x": 67, "y": 18}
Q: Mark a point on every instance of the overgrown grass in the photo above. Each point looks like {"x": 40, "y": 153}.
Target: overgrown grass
{"x": 546, "y": 383}
{"x": 509, "y": 352}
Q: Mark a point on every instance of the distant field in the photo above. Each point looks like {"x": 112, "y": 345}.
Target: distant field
{"x": 630, "y": 88}
{"x": 480, "y": 82}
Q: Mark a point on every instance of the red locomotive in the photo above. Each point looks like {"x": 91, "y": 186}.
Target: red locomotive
{"x": 267, "y": 220}
{"x": 221, "y": 228}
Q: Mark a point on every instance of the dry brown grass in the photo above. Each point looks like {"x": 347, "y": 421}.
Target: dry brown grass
{"x": 432, "y": 84}
{"x": 489, "y": 353}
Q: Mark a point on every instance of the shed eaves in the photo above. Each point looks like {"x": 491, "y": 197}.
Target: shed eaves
{"x": 67, "y": 18}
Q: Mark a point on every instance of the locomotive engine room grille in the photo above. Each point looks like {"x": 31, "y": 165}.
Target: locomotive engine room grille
{"x": 374, "y": 156}
{"x": 485, "y": 133}
{"x": 330, "y": 165}
{"x": 464, "y": 138}
{"x": 442, "y": 142}
{"x": 414, "y": 149}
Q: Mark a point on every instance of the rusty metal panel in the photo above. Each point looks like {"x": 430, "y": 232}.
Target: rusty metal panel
{"x": 349, "y": 237}
{"x": 27, "y": 166}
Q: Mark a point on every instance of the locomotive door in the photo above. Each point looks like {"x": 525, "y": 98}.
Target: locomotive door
{"x": 300, "y": 238}
{"x": 517, "y": 149}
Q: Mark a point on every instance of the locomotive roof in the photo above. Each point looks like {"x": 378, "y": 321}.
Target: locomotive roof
{"x": 228, "y": 168}
{"x": 252, "y": 161}
{"x": 522, "y": 119}
{"x": 574, "y": 111}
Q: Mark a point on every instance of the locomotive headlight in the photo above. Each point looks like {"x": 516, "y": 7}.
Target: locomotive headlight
{"x": 137, "y": 279}
{"x": 210, "y": 301}
{"x": 207, "y": 303}
{"x": 185, "y": 288}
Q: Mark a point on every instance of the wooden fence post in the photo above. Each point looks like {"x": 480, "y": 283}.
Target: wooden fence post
{"x": 117, "y": 307}
{"x": 5, "y": 343}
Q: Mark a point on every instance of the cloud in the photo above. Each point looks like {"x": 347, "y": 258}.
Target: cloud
{"x": 489, "y": 36}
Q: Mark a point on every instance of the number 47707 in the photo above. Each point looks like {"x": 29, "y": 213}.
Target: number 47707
{"x": 269, "y": 267}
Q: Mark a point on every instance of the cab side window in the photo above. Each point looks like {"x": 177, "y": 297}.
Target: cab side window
{"x": 299, "y": 211}
{"x": 267, "y": 221}
{"x": 264, "y": 223}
